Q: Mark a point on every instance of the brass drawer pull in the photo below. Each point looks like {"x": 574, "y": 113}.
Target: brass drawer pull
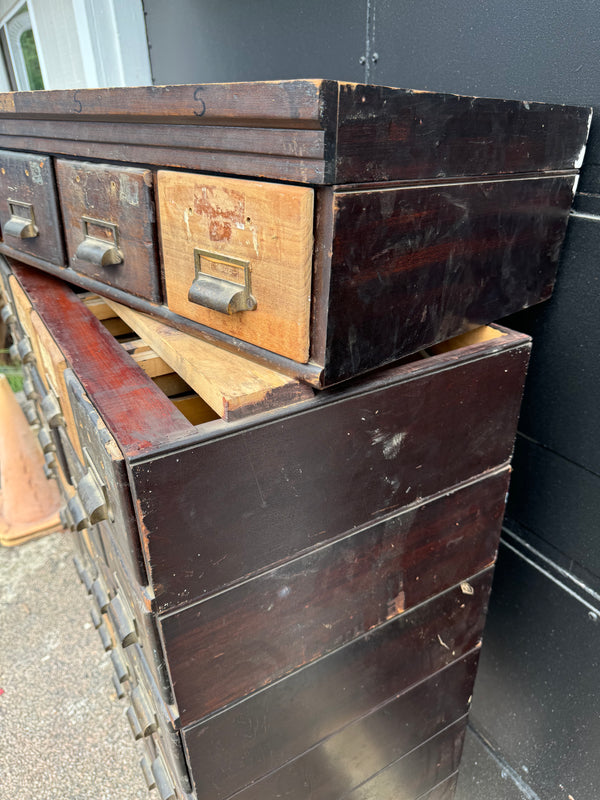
{"x": 165, "y": 787}
{"x": 92, "y": 498}
{"x": 118, "y": 688}
{"x": 143, "y": 710}
{"x": 221, "y": 293}
{"x": 52, "y": 411}
{"x": 97, "y": 250}
{"x": 148, "y": 776}
{"x": 123, "y": 622}
{"x": 119, "y": 666}
{"x": 136, "y": 728}
{"x": 26, "y": 353}
{"x": 77, "y": 512}
{"x": 7, "y": 314}
{"x": 22, "y": 221}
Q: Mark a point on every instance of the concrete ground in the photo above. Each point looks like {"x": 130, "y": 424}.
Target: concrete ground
{"x": 63, "y": 734}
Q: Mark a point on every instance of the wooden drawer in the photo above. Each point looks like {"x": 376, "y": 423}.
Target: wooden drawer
{"x": 395, "y": 269}
{"x": 223, "y": 648}
{"x": 28, "y": 207}
{"x": 334, "y": 697}
{"x": 109, "y": 225}
{"x": 237, "y": 256}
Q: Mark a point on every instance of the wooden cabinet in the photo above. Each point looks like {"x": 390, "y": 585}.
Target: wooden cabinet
{"x": 292, "y": 597}
{"x": 322, "y": 229}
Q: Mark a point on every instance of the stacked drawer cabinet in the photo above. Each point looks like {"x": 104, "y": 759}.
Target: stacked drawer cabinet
{"x": 324, "y": 228}
{"x": 292, "y": 600}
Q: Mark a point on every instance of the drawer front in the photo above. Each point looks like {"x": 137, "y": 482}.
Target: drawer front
{"x": 296, "y": 478}
{"x": 223, "y": 648}
{"x": 109, "y": 223}
{"x": 237, "y": 257}
{"x": 28, "y": 206}
{"x": 103, "y": 464}
{"x": 373, "y": 742}
{"x": 250, "y": 739}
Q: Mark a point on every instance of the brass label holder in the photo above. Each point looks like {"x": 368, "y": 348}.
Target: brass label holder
{"x": 22, "y": 220}
{"x": 219, "y": 293}
{"x": 96, "y": 250}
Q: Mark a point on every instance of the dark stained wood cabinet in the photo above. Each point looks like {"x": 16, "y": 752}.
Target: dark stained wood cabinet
{"x": 286, "y": 521}
{"x": 292, "y": 600}
{"x": 321, "y": 228}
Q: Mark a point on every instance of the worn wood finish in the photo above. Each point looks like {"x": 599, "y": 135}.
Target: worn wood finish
{"x": 309, "y": 373}
{"x": 121, "y": 196}
{"x": 93, "y": 435}
{"x": 223, "y": 648}
{"x": 371, "y": 743}
{"x": 267, "y": 225}
{"x": 232, "y": 386}
{"x": 236, "y": 747}
{"x": 409, "y": 267}
{"x": 50, "y": 360}
{"x": 413, "y": 774}
{"x": 29, "y": 178}
{"x": 471, "y": 135}
{"x": 138, "y": 414}
{"x": 444, "y": 135}
{"x": 297, "y": 477}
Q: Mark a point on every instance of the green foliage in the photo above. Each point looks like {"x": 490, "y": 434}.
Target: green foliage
{"x": 32, "y": 64}
{"x": 14, "y": 375}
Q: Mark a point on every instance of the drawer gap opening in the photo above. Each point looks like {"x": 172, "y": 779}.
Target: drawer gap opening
{"x": 229, "y": 384}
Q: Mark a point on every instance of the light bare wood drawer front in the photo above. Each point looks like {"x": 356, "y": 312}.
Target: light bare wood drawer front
{"x": 28, "y": 205}
{"x": 109, "y": 222}
{"x": 237, "y": 256}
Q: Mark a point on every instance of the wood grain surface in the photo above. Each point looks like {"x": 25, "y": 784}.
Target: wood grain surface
{"x": 138, "y": 414}
{"x": 306, "y": 478}
{"x": 250, "y": 739}
{"x": 225, "y": 647}
{"x": 232, "y": 386}
{"x": 408, "y": 267}
{"x": 371, "y": 743}
{"x": 121, "y": 196}
{"x": 367, "y": 133}
{"x": 29, "y": 178}
{"x": 266, "y": 224}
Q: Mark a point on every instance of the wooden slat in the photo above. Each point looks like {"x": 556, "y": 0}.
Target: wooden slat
{"x": 231, "y": 385}
{"x": 194, "y": 409}
{"x": 97, "y": 306}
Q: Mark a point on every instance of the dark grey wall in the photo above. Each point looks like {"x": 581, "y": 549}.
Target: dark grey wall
{"x": 546, "y": 597}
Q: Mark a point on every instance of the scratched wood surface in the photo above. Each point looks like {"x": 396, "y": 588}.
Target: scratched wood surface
{"x": 29, "y": 178}
{"x": 268, "y": 225}
{"x": 223, "y": 648}
{"x": 117, "y": 195}
{"x": 250, "y": 739}
{"x": 326, "y": 132}
{"x": 371, "y": 743}
{"x": 411, "y": 776}
{"x": 312, "y": 476}
{"x": 403, "y": 268}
